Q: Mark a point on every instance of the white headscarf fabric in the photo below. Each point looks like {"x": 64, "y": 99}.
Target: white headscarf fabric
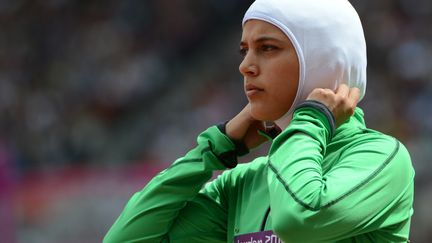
{"x": 328, "y": 38}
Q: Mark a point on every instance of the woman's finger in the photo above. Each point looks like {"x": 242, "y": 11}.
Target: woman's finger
{"x": 343, "y": 90}
{"x": 354, "y": 95}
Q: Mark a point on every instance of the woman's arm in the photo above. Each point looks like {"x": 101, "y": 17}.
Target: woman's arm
{"x": 152, "y": 215}
{"x": 368, "y": 188}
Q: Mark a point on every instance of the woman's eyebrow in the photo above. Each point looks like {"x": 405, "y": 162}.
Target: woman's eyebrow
{"x": 261, "y": 39}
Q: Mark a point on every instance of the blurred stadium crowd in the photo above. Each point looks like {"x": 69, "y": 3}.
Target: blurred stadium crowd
{"x": 109, "y": 86}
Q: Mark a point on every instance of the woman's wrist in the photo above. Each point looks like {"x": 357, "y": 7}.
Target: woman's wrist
{"x": 240, "y": 147}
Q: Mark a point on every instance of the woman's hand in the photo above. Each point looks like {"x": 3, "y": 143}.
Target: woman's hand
{"x": 341, "y": 102}
{"x": 244, "y": 128}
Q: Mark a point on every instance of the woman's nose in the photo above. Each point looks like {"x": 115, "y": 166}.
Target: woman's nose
{"x": 248, "y": 66}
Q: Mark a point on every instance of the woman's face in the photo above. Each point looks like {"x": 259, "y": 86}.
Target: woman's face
{"x": 270, "y": 68}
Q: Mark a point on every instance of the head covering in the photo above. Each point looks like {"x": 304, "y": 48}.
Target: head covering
{"x": 328, "y": 38}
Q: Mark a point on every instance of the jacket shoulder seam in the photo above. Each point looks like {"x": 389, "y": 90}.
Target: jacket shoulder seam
{"x": 343, "y": 196}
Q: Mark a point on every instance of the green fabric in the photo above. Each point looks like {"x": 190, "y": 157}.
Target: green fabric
{"x": 352, "y": 186}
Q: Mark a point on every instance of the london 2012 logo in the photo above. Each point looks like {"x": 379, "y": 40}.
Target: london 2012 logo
{"x": 258, "y": 237}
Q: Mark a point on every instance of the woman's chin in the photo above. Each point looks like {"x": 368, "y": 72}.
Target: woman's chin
{"x": 262, "y": 114}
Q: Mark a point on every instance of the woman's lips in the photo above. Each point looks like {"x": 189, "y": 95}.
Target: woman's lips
{"x": 252, "y": 90}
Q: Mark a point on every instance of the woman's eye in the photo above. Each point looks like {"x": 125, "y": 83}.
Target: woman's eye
{"x": 243, "y": 52}
{"x": 268, "y": 47}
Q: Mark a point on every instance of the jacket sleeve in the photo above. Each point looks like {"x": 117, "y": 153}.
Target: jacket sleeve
{"x": 368, "y": 187}
{"x": 171, "y": 207}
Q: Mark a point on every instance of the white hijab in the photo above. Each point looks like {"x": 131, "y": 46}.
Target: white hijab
{"x": 328, "y": 38}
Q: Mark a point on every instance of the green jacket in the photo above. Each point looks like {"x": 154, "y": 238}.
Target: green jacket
{"x": 315, "y": 185}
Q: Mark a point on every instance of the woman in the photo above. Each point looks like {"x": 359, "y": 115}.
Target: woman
{"x": 326, "y": 178}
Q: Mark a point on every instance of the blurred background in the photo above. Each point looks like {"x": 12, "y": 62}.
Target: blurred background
{"x": 96, "y": 97}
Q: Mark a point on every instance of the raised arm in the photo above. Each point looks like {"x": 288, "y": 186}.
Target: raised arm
{"x": 367, "y": 188}
{"x": 152, "y": 215}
